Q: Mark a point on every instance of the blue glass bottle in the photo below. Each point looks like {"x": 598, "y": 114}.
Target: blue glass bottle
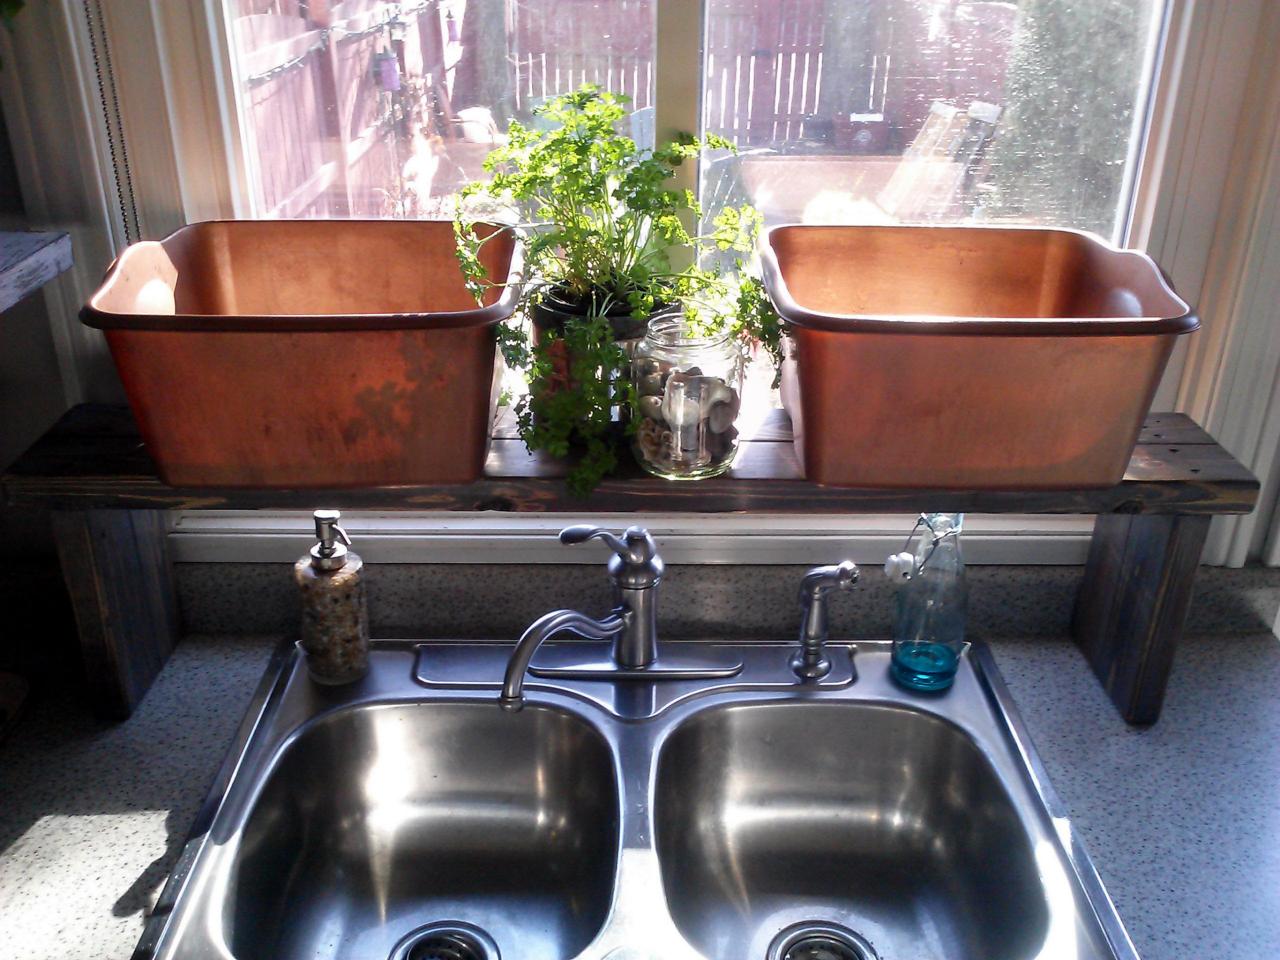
{"x": 928, "y": 636}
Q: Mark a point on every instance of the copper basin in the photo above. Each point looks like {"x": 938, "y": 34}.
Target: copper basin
{"x": 308, "y": 353}
{"x": 968, "y": 357}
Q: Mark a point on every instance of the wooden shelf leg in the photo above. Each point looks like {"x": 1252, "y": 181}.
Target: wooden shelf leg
{"x": 117, "y": 570}
{"x": 1133, "y": 604}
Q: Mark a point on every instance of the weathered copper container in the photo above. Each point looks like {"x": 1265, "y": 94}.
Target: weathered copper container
{"x": 307, "y": 353}
{"x": 968, "y": 357}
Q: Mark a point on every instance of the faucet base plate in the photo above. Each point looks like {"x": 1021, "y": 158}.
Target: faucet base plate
{"x": 463, "y": 666}
{"x": 563, "y": 660}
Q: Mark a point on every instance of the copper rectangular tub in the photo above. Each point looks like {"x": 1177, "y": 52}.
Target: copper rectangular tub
{"x": 307, "y": 353}
{"x": 968, "y": 357}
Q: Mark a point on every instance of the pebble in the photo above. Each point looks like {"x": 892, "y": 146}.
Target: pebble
{"x": 681, "y": 401}
{"x": 651, "y": 407}
{"x": 650, "y": 385}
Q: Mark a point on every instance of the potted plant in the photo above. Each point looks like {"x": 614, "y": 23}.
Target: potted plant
{"x": 604, "y": 228}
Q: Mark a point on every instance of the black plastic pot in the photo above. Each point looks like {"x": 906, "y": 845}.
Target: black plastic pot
{"x": 554, "y": 307}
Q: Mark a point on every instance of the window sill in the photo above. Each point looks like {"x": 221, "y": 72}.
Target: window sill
{"x": 281, "y": 537}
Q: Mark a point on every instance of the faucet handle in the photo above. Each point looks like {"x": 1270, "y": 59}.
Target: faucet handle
{"x": 582, "y": 532}
{"x": 635, "y": 564}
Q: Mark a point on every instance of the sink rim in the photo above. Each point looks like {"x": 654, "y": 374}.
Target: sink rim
{"x": 283, "y": 693}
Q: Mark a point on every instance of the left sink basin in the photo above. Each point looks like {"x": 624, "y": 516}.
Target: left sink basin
{"x": 382, "y": 820}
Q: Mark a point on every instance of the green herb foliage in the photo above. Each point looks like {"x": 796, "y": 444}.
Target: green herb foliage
{"x": 603, "y": 226}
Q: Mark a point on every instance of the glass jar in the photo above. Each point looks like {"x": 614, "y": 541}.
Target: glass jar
{"x": 928, "y": 636}
{"x": 688, "y": 395}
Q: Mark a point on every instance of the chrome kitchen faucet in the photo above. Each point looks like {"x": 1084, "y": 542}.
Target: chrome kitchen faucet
{"x": 635, "y": 570}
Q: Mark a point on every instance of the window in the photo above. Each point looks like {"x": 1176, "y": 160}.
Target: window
{"x": 370, "y": 108}
{"x": 874, "y": 111}
{"x": 884, "y": 111}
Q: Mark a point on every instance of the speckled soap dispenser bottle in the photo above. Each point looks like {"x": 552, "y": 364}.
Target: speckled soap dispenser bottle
{"x": 334, "y": 632}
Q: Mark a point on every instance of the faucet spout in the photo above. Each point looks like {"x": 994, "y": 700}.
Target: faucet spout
{"x": 545, "y": 627}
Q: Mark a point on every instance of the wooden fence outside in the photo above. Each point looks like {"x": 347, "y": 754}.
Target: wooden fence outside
{"x": 763, "y": 67}
{"x": 558, "y": 45}
{"x": 329, "y": 103}
{"x": 337, "y": 97}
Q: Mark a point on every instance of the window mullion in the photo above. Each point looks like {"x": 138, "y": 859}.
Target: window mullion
{"x": 678, "y": 79}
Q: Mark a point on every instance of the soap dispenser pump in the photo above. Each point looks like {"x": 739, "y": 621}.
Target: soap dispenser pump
{"x": 334, "y": 629}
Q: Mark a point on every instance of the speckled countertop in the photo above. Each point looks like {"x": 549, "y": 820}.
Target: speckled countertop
{"x": 1182, "y": 819}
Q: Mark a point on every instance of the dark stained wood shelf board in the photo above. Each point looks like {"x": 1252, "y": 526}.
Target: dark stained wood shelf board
{"x": 1174, "y": 429}
{"x": 775, "y": 426}
{"x": 94, "y": 459}
{"x": 28, "y": 261}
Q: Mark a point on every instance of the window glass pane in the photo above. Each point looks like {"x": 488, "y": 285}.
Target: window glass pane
{"x": 367, "y": 108}
{"x": 885, "y": 111}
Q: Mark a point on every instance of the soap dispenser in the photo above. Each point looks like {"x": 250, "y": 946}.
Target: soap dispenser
{"x": 334, "y": 631}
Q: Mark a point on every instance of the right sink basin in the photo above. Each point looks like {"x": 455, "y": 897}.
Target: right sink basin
{"x": 880, "y": 820}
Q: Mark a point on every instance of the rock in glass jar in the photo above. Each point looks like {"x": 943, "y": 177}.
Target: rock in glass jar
{"x": 687, "y": 400}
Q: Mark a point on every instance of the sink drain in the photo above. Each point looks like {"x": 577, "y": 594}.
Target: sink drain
{"x": 819, "y": 941}
{"x": 452, "y": 940}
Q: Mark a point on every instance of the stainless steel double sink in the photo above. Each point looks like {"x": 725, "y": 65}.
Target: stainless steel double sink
{"x": 754, "y": 817}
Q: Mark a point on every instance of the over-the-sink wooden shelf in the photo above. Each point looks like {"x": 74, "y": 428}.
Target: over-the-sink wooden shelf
{"x": 93, "y": 458}
{"x": 109, "y": 505}
{"x": 28, "y": 261}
